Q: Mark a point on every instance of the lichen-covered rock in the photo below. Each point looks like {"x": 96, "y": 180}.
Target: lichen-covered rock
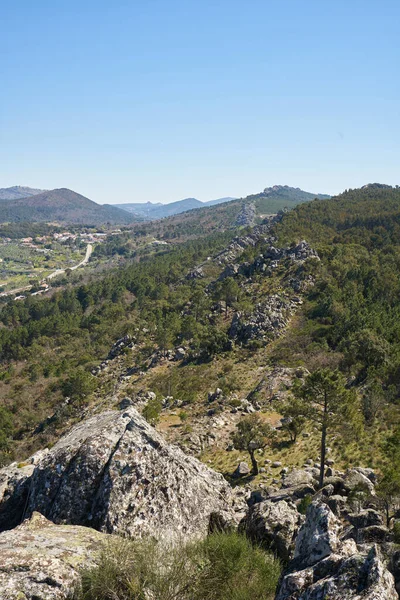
{"x": 347, "y": 575}
{"x": 319, "y": 535}
{"x": 41, "y": 561}
{"x": 115, "y": 473}
{"x": 355, "y": 480}
{"x": 296, "y": 478}
{"x": 273, "y": 525}
{"x": 14, "y": 492}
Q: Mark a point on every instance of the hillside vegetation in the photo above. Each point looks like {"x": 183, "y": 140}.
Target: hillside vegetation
{"x": 213, "y": 296}
{"x": 61, "y": 206}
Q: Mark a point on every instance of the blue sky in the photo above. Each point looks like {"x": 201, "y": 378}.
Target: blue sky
{"x": 158, "y": 100}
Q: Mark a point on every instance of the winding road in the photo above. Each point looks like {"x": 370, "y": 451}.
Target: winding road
{"x": 89, "y": 250}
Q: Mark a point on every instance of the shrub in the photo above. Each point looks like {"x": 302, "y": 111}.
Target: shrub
{"x": 152, "y": 411}
{"x": 304, "y": 504}
{"x": 396, "y": 532}
{"x": 222, "y": 567}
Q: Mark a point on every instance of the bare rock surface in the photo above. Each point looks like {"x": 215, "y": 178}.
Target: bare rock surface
{"x": 274, "y": 526}
{"x": 41, "y": 561}
{"x": 327, "y": 566}
{"x": 115, "y": 473}
{"x": 319, "y": 536}
{"x": 346, "y": 576}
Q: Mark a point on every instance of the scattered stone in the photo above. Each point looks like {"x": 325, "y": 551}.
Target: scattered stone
{"x": 241, "y": 470}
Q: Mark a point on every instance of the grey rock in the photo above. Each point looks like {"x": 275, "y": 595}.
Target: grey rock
{"x": 347, "y": 575}
{"x": 373, "y": 534}
{"x": 41, "y": 561}
{"x": 273, "y": 525}
{"x": 115, "y": 473}
{"x": 296, "y": 478}
{"x": 241, "y": 470}
{"x": 365, "y": 518}
{"x": 354, "y": 480}
{"x": 337, "y": 504}
{"x": 15, "y": 481}
{"x": 319, "y": 536}
{"x": 369, "y": 473}
{"x": 180, "y": 353}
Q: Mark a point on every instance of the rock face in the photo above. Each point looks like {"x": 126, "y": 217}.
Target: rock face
{"x": 327, "y": 566}
{"x": 115, "y": 473}
{"x": 14, "y": 491}
{"x": 40, "y": 560}
{"x": 319, "y": 535}
{"x": 347, "y": 576}
{"x": 273, "y": 526}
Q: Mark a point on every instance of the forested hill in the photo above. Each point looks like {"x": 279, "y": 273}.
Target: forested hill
{"x": 355, "y": 306}
{"x": 198, "y": 317}
{"x": 215, "y": 217}
{"x": 61, "y": 206}
{"x": 369, "y": 216}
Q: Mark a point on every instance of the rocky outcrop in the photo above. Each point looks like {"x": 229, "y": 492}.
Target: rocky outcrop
{"x": 327, "y": 565}
{"x": 267, "y": 321}
{"x": 246, "y": 216}
{"x": 350, "y": 575}
{"x": 41, "y": 561}
{"x": 318, "y": 537}
{"x": 115, "y": 473}
{"x": 14, "y": 492}
{"x": 274, "y": 526}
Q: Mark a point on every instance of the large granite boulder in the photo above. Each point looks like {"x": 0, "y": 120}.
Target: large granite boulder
{"x": 41, "y": 561}
{"x": 115, "y": 473}
{"x": 274, "y": 526}
{"x": 327, "y": 566}
{"x": 348, "y": 575}
{"x": 319, "y": 535}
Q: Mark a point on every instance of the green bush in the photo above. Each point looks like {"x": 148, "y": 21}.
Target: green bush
{"x": 396, "y": 532}
{"x": 222, "y": 567}
{"x": 152, "y": 411}
{"x": 304, "y": 504}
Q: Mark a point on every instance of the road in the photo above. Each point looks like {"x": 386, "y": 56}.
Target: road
{"x": 89, "y": 250}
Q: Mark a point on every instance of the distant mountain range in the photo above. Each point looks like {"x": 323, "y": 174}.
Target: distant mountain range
{"x": 24, "y": 204}
{"x": 18, "y": 191}
{"x": 60, "y": 206}
{"x": 150, "y": 211}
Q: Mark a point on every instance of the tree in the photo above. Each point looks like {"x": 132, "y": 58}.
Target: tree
{"x": 252, "y": 434}
{"x": 79, "y": 385}
{"x": 324, "y": 400}
{"x": 6, "y": 428}
{"x": 373, "y": 402}
{"x": 293, "y": 418}
{"x": 388, "y": 489}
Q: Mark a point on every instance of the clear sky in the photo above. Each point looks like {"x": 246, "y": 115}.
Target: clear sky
{"x": 158, "y": 100}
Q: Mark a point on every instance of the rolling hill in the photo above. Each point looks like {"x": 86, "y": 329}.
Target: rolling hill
{"x": 151, "y": 211}
{"x": 61, "y": 206}
{"x": 18, "y": 191}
